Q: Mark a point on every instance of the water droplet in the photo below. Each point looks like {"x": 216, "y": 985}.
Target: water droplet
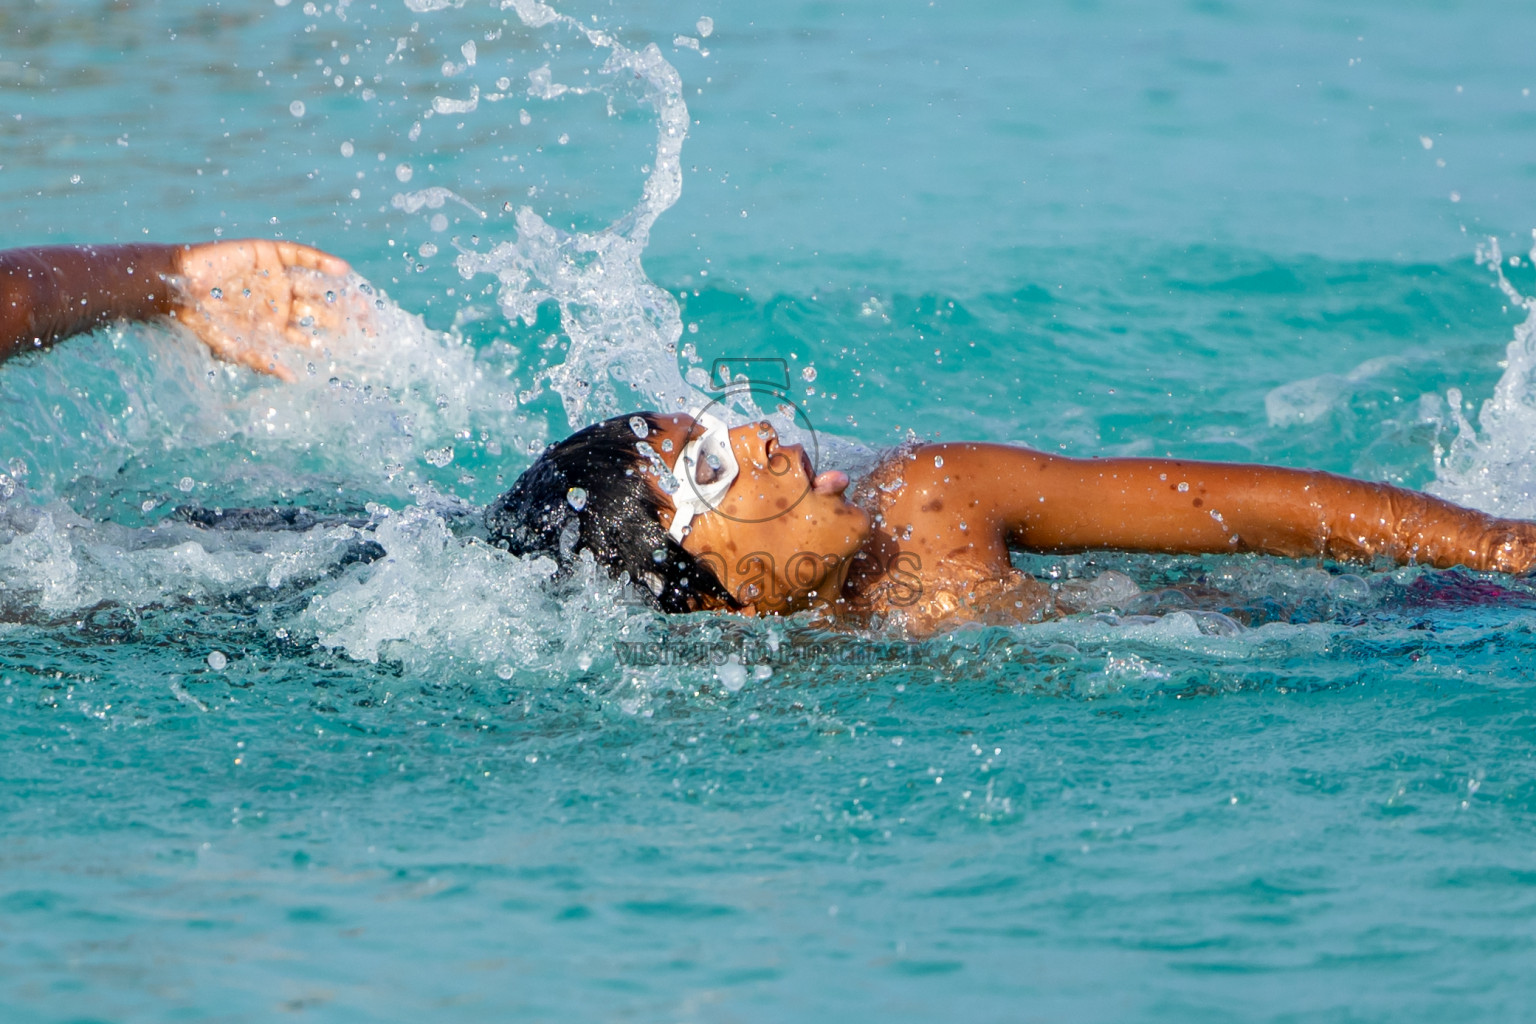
{"x": 564, "y": 138}
{"x": 938, "y": 460}
{"x": 506, "y": 207}
{"x": 346, "y": 149}
{"x": 1183, "y": 487}
{"x": 666, "y": 445}
{"x": 330, "y": 296}
{"x": 504, "y": 671}
{"x": 74, "y": 179}
{"x": 705, "y": 25}
{"x": 296, "y": 108}
{"x": 659, "y": 555}
{"x": 403, "y": 173}
{"x": 576, "y": 497}
{"x": 245, "y": 292}
{"x": 808, "y": 374}
{"x": 427, "y": 250}
{"x": 217, "y": 293}
{"x": 18, "y": 468}
{"x": 524, "y": 118}
{"x": 217, "y": 661}
{"x": 639, "y": 426}
{"x": 732, "y": 675}
{"x": 668, "y": 483}
{"x": 185, "y": 485}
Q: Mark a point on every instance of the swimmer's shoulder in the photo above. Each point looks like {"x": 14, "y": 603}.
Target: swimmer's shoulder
{"x": 938, "y": 474}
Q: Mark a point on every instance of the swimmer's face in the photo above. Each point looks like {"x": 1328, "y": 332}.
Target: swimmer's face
{"x": 783, "y": 536}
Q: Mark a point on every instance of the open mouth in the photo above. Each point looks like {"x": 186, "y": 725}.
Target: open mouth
{"x": 833, "y": 481}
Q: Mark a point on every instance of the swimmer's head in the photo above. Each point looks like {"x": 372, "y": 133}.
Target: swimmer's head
{"x": 597, "y": 491}
{"x": 753, "y": 527}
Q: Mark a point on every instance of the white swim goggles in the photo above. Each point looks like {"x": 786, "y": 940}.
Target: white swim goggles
{"x": 705, "y": 470}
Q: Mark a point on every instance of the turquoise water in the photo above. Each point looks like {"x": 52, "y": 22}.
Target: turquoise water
{"x": 241, "y": 776}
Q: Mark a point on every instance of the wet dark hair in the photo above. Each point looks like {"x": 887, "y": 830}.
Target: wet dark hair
{"x": 618, "y": 520}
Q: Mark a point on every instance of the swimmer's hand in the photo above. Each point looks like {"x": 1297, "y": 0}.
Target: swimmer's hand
{"x": 245, "y": 299}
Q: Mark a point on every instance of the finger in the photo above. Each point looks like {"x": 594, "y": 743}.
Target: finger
{"x": 314, "y": 286}
{"x": 312, "y": 319}
{"x": 331, "y": 308}
{"x": 316, "y": 297}
{"x": 219, "y": 345}
{"x": 300, "y": 337}
{"x": 295, "y": 255}
{"x": 265, "y": 362}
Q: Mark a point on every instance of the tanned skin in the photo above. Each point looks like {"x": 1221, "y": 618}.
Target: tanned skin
{"x": 952, "y": 524}
{"x": 243, "y": 299}
{"x": 926, "y": 540}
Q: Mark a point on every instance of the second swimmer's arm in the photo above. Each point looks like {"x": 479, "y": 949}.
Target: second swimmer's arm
{"x": 243, "y": 299}
{"x": 1051, "y": 503}
{"x": 52, "y": 292}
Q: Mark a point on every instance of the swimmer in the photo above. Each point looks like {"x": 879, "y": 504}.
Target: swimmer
{"x": 243, "y": 299}
{"x": 703, "y": 517}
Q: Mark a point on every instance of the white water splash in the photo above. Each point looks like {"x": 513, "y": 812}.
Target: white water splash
{"x": 54, "y": 563}
{"x": 432, "y": 597}
{"x": 1312, "y": 399}
{"x": 449, "y": 105}
{"x": 1493, "y": 466}
{"x": 365, "y": 410}
{"x": 623, "y": 329}
{"x": 432, "y": 199}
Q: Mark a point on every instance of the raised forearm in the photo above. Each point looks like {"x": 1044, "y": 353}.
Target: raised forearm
{"x": 52, "y": 292}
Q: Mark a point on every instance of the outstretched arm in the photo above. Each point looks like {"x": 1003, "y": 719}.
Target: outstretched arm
{"x": 1051, "y": 503}
{"x": 240, "y": 298}
{"x": 52, "y": 292}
